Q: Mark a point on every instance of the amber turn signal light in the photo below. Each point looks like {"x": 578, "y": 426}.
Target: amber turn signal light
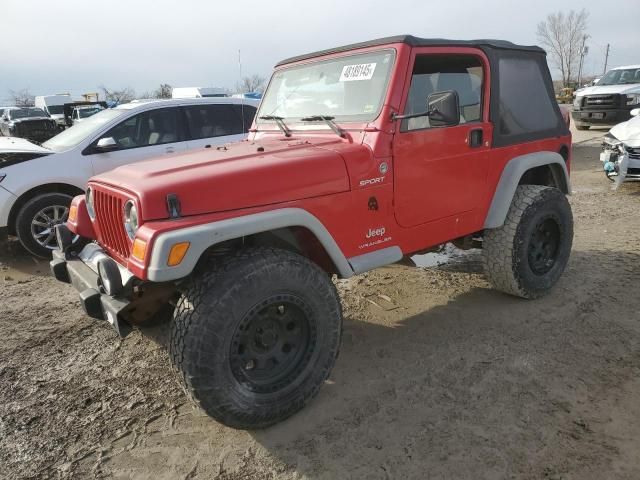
{"x": 177, "y": 253}
{"x": 139, "y": 249}
{"x": 73, "y": 213}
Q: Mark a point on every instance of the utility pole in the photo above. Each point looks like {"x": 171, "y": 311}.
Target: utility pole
{"x": 583, "y": 51}
{"x": 606, "y": 59}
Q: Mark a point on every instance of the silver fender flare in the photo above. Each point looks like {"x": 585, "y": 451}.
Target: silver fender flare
{"x": 511, "y": 175}
{"x": 204, "y": 236}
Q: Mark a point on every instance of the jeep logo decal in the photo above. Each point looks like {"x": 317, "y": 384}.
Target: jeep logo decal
{"x": 378, "y": 232}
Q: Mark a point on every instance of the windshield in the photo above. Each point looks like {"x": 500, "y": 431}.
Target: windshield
{"x": 74, "y": 135}
{"x": 348, "y": 88}
{"x": 619, "y": 77}
{"x": 26, "y": 113}
{"x": 55, "y": 109}
{"x": 87, "y": 112}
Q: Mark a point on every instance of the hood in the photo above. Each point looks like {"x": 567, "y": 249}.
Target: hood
{"x": 608, "y": 89}
{"x": 15, "y": 150}
{"x": 628, "y": 132}
{"x": 235, "y": 176}
{"x": 22, "y": 145}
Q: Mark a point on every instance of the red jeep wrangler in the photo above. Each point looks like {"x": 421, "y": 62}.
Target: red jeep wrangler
{"x": 359, "y": 156}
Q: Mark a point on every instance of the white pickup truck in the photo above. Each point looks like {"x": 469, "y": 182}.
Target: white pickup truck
{"x": 610, "y": 101}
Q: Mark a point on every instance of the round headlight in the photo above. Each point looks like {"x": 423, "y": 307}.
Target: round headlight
{"x": 88, "y": 197}
{"x": 131, "y": 219}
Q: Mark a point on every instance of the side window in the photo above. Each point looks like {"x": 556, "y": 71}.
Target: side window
{"x": 246, "y": 114}
{"x": 438, "y": 73}
{"x": 214, "y": 120}
{"x": 153, "y": 127}
{"x": 520, "y": 112}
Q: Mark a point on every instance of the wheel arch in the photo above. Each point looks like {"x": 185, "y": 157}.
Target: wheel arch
{"x": 291, "y": 229}
{"x": 539, "y": 168}
{"x": 64, "y": 188}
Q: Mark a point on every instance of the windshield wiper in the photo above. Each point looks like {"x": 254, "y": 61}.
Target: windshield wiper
{"x": 328, "y": 120}
{"x": 279, "y": 121}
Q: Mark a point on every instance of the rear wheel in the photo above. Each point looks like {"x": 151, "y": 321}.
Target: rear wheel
{"x": 528, "y": 254}
{"x": 36, "y": 221}
{"x": 255, "y": 335}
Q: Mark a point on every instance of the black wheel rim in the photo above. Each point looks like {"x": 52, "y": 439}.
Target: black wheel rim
{"x": 544, "y": 245}
{"x": 272, "y": 344}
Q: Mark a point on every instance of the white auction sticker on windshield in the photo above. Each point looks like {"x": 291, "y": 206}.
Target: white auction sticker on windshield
{"x": 362, "y": 71}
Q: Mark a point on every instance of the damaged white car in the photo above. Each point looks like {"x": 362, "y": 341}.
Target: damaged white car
{"x": 621, "y": 150}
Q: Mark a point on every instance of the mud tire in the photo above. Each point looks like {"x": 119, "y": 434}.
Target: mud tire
{"x": 215, "y": 304}
{"x": 507, "y": 251}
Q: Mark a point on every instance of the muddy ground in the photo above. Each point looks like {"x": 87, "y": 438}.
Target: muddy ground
{"x": 438, "y": 377}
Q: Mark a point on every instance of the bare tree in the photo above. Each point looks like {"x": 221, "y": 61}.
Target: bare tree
{"x": 254, "y": 83}
{"x": 163, "y": 91}
{"x": 21, "y": 98}
{"x": 123, "y": 95}
{"x": 562, "y": 35}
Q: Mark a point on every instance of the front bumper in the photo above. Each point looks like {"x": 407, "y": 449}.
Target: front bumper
{"x": 601, "y": 117}
{"x": 621, "y": 165}
{"x": 81, "y": 271}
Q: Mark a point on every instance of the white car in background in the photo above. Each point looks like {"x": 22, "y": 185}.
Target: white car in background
{"x": 37, "y": 182}
{"x": 621, "y": 150}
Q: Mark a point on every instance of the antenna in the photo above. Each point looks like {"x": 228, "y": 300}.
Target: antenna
{"x": 241, "y": 94}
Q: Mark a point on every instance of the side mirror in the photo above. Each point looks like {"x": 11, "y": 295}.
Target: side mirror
{"x": 444, "y": 109}
{"x": 635, "y": 112}
{"x": 105, "y": 144}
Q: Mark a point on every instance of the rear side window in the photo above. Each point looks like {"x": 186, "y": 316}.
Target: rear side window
{"x": 525, "y": 103}
{"x": 246, "y": 114}
{"x": 206, "y": 121}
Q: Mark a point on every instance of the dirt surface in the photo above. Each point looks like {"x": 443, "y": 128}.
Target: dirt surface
{"x": 438, "y": 377}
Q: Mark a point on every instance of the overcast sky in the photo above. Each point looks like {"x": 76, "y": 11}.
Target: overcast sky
{"x": 76, "y": 45}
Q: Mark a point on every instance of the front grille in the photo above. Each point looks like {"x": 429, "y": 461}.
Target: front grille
{"x": 601, "y": 101}
{"x": 633, "y": 152}
{"x": 34, "y": 125}
{"x": 109, "y": 217}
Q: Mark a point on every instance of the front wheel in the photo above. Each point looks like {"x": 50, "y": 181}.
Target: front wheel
{"x": 255, "y": 335}
{"x": 36, "y": 221}
{"x": 527, "y": 255}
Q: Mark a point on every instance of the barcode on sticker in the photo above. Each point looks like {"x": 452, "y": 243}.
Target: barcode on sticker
{"x": 362, "y": 71}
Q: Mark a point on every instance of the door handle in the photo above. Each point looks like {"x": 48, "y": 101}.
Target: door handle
{"x": 476, "y": 136}
{"x": 169, "y": 150}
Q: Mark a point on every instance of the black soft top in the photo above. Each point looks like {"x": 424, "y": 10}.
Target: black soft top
{"x": 420, "y": 42}
{"x": 522, "y": 106}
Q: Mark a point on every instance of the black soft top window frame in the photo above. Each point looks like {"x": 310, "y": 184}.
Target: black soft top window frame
{"x": 495, "y": 114}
